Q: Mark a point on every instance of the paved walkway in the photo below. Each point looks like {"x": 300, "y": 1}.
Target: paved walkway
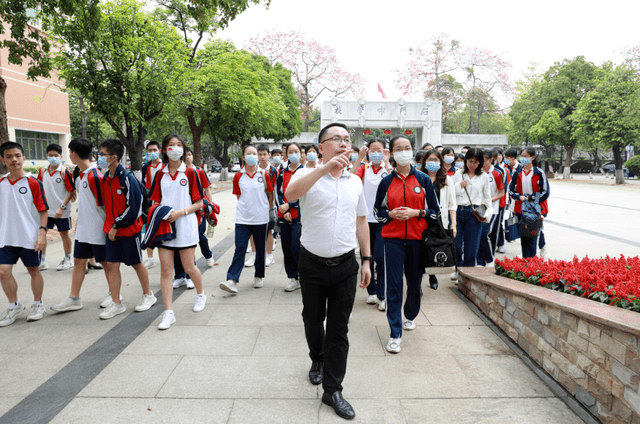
{"x": 244, "y": 359}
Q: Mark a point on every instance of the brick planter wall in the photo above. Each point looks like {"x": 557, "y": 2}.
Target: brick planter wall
{"x": 591, "y": 349}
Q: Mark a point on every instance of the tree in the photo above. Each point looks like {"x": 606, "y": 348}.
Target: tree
{"x": 609, "y": 115}
{"x": 127, "y": 71}
{"x": 315, "y": 68}
{"x": 429, "y": 74}
{"x": 96, "y": 127}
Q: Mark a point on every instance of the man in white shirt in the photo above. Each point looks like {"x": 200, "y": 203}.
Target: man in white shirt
{"x": 334, "y": 221}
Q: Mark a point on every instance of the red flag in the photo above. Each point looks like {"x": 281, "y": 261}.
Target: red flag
{"x": 384, "y": 95}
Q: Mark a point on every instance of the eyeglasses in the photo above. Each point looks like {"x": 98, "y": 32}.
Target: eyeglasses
{"x": 337, "y": 139}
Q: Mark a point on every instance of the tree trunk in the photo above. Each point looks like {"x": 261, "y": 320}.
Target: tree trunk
{"x": 4, "y": 127}
{"x": 617, "y": 159}
{"x": 196, "y": 133}
{"x": 566, "y": 172}
{"x": 82, "y": 118}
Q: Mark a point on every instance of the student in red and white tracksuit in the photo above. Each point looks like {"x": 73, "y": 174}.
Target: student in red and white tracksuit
{"x": 178, "y": 187}
{"x": 489, "y": 232}
{"x": 149, "y": 171}
{"x": 404, "y": 200}
{"x": 23, "y": 232}
{"x": 526, "y": 182}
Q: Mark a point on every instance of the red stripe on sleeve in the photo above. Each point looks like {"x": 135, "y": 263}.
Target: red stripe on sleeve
{"x": 37, "y": 191}
{"x": 195, "y": 188}
{"x": 236, "y": 184}
{"x": 68, "y": 180}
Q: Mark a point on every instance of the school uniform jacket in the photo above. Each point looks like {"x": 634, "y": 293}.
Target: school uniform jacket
{"x": 159, "y": 229}
{"x": 149, "y": 172}
{"x": 416, "y": 192}
{"x": 122, "y": 203}
{"x": 539, "y": 183}
{"x": 281, "y": 187}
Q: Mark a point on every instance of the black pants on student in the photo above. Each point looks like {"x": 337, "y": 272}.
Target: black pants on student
{"x": 328, "y": 288}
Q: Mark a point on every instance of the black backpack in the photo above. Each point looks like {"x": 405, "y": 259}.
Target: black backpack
{"x": 530, "y": 218}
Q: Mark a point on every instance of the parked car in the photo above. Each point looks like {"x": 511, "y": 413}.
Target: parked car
{"x": 235, "y": 167}
{"x": 216, "y": 166}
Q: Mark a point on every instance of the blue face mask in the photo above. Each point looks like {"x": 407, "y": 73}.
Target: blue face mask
{"x": 53, "y": 160}
{"x": 449, "y": 159}
{"x": 251, "y": 160}
{"x": 432, "y": 166}
{"x": 312, "y": 156}
{"x": 353, "y": 157}
{"x": 275, "y": 160}
{"x": 294, "y": 158}
{"x": 153, "y": 155}
{"x": 102, "y": 162}
{"x": 524, "y": 161}
{"x": 376, "y": 157}
{"x": 459, "y": 165}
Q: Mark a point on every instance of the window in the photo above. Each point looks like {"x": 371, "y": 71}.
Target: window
{"x": 35, "y": 143}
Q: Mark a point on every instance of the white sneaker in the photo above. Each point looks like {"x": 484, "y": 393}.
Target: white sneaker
{"x": 251, "y": 261}
{"x": 149, "y": 263}
{"x": 502, "y": 249}
{"x": 372, "y": 300}
{"x": 408, "y": 325}
{"x": 64, "y": 265}
{"x": 36, "y": 313}
{"x": 393, "y": 346}
{"x": 210, "y": 262}
{"x": 292, "y": 286}
{"x": 43, "y": 265}
{"x": 108, "y": 301}
{"x": 201, "y": 301}
{"x": 229, "y": 286}
{"x": 454, "y": 275}
{"x": 11, "y": 314}
{"x": 167, "y": 319}
{"x": 268, "y": 260}
{"x": 112, "y": 310}
{"x": 190, "y": 284}
{"x": 67, "y": 305}
{"x": 178, "y": 282}
{"x": 249, "y": 250}
{"x": 543, "y": 252}
{"x": 382, "y": 305}
{"x": 258, "y": 283}
{"x": 147, "y": 301}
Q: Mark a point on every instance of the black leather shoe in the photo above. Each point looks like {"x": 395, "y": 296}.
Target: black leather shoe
{"x": 340, "y": 405}
{"x": 315, "y": 373}
{"x": 433, "y": 282}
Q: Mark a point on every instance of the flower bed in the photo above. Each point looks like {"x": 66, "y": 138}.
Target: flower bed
{"x": 614, "y": 281}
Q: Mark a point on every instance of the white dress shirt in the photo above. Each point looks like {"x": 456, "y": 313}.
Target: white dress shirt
{"x": 328, "y": 213}
{"x": 478, "y": 189}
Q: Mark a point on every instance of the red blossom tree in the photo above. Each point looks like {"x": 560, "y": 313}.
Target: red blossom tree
{"x": 445, "y": 70}
{"x": 315, "y": 68}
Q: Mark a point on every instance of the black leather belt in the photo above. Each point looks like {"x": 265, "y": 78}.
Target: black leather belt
{"x": 330, "y": 262}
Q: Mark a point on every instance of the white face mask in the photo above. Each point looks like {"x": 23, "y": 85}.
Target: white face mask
{"x": 404, "y": 157}
{"x": 175, "y": 152}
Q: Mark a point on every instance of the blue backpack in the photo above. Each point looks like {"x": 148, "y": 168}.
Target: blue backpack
{"x": 530, "y": 218}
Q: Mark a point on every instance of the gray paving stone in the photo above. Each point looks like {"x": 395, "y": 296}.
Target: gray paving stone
{"x": 274, "y": 411}
{"x": 256, "y": 315}
{"x": 489, "y": 411}
{"x": 8, "y": 402}
{"x": 450, "y": 314}
{"x": 369, "y": 411}
{"x": 240, "y": 377}
{"x": 195, "y": 340}
{"x": 132, "y": 376}
{"x": 152, "y": 411}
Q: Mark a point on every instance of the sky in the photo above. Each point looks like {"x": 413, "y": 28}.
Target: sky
{"x": 372, "y": 37}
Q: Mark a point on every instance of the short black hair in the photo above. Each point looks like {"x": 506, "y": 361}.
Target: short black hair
{"x": 10, "y": 145}
{"x": 377, "y": 140}
{"x": 262, "y": 148}
{"x": 425, "y": 145}
{"x": 293, "y": 144}
{"x": 165, "y": 143}
{"x": 187, "y": 149}
{"x": 474, "y": 154}
{"x": 82, "y": 147}
{"x": 420, "y": 154}
{"x": 466, "y": 147}
{"x": 114, "y": 146}
{"x": 245, "y": 147}
{"x": 355, "y": 149}
{"x": 511, "y": 153}
{"x": 153, "y": 143}
{"x": 55, "y": 147}
{"x": 326, "y": 128}
{"x": 276, "y": 151}
{"x": 310, "y": 147}
{"x": 447, "y": 150}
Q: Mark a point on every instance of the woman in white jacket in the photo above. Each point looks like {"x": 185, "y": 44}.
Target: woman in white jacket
{"x": 472, "y": 191}
{"x": 433, "y": 166}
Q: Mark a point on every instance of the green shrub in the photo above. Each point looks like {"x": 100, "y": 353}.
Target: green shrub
{"x": 633, "y": 164}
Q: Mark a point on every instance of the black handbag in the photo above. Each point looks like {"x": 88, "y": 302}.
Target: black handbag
{"x": 439, "y": 250}
{"x": 511, "y": 230}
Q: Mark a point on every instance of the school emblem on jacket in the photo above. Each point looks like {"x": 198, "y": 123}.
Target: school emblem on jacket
{"x": 84, "y": 184}
{"x": 183, "y": 182}
{"x": 260, "y": 179}
{"x": 58, "y": 180}
{"x": 22, "y": 190}
{"x": 119, "y": 191}
{"x": 417, "y": 190}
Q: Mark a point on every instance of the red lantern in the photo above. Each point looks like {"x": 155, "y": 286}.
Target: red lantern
{"x": 387, "y": 132}
{"x": 367, "y": 132}
{"x": 408, "y": 132}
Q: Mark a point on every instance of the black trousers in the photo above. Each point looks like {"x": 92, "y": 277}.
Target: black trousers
{"x": 328, "y": 291}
